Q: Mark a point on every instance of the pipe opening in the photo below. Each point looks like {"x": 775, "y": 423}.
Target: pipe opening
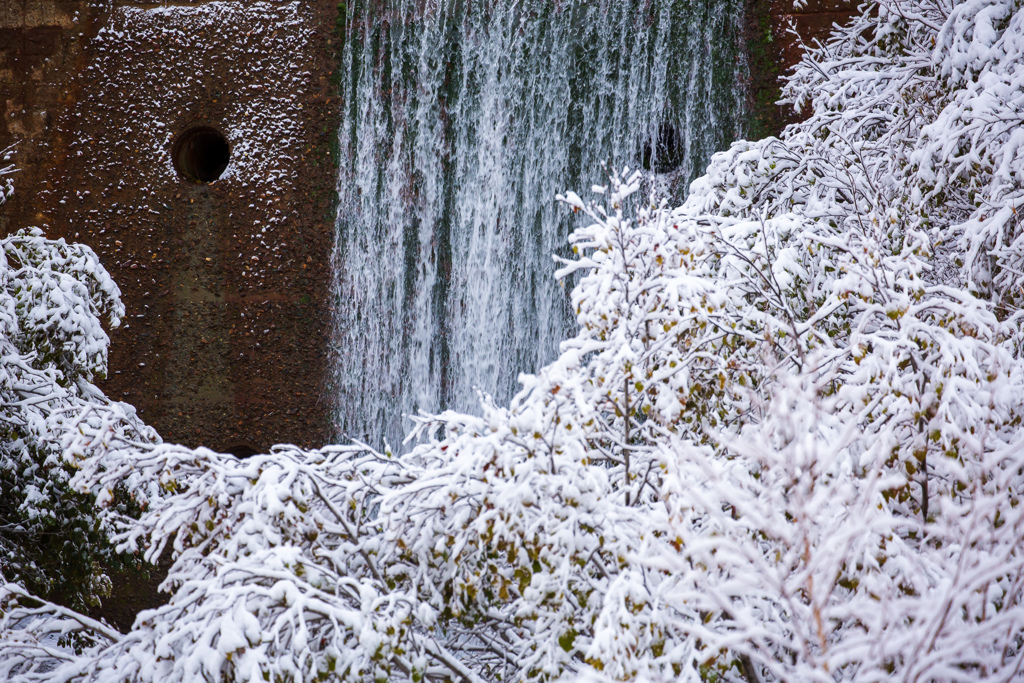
{"x": 201, "y": 154}
{"x": 242, "y": 451}
{"x": 665, "y": 153}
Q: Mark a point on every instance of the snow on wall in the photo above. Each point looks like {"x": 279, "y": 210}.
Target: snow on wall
{"x": 224, "y": 283}
{"x": 152, "y": 68}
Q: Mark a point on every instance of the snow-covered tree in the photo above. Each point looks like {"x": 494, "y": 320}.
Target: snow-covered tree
{"x": 7, "y": 169}
{"x": 52, "y": 298}
{"x": 785, "y": 443}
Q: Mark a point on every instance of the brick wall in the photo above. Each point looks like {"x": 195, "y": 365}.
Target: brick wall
{"x": 41, "y": 46}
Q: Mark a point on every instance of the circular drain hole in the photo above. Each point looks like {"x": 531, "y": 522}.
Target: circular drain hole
{"x": 242, "y": 451}
{"x": 201, "y": 154}
{"x": 665, "y": 153}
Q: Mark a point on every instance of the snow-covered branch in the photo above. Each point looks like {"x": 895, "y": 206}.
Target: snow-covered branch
{"x": 784, "y": 444}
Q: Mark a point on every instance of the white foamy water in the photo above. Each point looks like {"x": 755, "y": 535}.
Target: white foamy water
{"x": 461, "y": 121}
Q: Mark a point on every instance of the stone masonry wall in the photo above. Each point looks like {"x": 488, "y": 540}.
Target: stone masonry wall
{"x": 773, "y": 49}
{"x": 41, "y": 46}
{"x": 813, "y": 22}
{"x": 226, "y": 284}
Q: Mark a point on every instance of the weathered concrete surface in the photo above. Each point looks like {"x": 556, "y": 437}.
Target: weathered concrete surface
{"x": 773, "y": 49}
{"x": 812, "y": 22}
{"x": 41, "y": 46}
{"x": 226, "y": 284}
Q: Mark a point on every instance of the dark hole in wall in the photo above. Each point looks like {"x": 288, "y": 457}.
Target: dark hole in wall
{"x": 241, "y": 450}
{"x": 201, "y": 154}
{"x": 664, "y": 153}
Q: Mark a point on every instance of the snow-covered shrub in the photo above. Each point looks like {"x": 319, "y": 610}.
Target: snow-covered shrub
{"x": 785, "y": 443}
{"x": 7, "y": 169}
{"x": 273, "y": 578}
{"x": 52, "y": 298}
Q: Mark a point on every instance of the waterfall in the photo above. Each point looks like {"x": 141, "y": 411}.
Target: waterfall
{"x": 461, "y": 120}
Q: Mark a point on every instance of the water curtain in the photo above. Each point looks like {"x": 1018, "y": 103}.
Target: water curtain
{"x": 461, "y": 121}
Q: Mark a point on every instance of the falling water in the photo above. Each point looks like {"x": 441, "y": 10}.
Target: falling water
{"x": 461, "y": 121}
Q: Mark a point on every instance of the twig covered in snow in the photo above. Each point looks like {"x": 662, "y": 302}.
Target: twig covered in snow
{"x": 785, "y": 443}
